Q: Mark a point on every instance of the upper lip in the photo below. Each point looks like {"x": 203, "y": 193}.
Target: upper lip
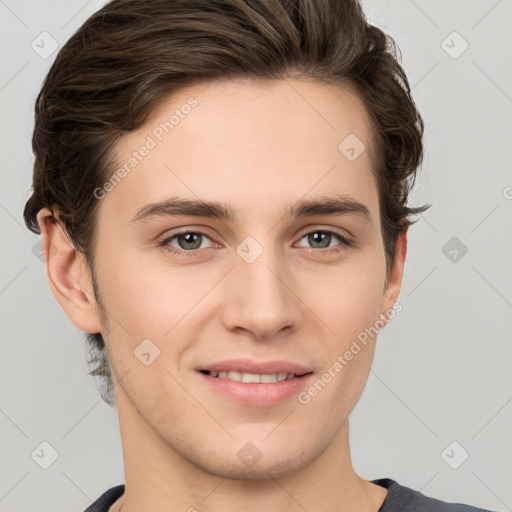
{"x": 259, "y": 367}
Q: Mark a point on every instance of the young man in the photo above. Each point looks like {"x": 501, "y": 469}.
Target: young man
{"x": 222, "y": 191}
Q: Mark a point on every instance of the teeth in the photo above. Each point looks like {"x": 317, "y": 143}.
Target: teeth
{"x": 253, "y": 377}
{"x": 244, "y": 377}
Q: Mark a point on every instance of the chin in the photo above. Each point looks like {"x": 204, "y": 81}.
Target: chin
{"x": 261, "y": 470}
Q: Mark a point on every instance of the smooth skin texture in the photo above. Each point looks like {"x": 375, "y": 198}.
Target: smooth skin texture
{"x": 258, "y": 148}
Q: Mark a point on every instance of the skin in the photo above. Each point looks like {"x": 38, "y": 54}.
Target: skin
{"x": 257, "y": 148}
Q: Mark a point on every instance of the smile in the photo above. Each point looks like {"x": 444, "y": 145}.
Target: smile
{"x": 263, "y": 378}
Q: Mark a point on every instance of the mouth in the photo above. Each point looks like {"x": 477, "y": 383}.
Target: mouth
{"x": 251, "y": 378}
{"x": 256, "y": 384}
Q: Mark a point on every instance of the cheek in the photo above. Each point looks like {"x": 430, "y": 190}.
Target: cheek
{"x": 348, "y": 302}
{"x": 148, "y": 300}
{"x": 347, "y": 299}
{"x": 350, "y": 308}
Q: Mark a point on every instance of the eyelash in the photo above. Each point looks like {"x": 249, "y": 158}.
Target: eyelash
{"x": 194, "y": 252}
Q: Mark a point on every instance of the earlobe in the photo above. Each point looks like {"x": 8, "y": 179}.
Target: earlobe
{"x": 395, "y": 275}
{"x": 68, "y": 274}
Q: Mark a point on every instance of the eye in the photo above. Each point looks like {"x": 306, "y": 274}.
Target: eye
{"x": 187, "y": 242}
{"x": 322, "y": 240}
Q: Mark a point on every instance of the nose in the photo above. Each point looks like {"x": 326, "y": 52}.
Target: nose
{"x": 259, "y": 297}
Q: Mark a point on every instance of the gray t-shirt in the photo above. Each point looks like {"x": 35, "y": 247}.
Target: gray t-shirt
{"x": 398, "y": 499}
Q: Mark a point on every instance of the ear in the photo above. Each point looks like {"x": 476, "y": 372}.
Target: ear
{"x": 68, "y": 274}
{"x": 395, "y": 275}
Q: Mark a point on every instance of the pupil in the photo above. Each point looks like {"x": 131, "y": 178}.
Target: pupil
{"x": 187, "y": 237}
{"x": 318, "y": 236}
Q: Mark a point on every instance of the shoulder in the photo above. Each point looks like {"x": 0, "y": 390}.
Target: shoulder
{"x": 398, "y": 499}
{"x": 106, "y": 500}
{"x": 405, "y": 499}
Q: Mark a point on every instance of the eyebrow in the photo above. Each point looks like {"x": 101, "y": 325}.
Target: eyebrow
{"x": 176, "y": 206}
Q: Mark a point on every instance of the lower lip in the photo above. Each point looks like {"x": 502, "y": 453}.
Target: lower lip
{"x": 252, "y": 393}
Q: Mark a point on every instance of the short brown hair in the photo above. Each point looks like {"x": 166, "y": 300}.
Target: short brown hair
{"x": 131, "y": 54}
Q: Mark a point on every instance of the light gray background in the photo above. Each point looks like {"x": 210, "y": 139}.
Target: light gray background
{"x": 442, "y": 367}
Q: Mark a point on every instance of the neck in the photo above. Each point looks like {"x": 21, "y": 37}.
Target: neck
{"x": 156, "y": 475}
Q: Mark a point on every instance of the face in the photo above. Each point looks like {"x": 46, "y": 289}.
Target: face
{"x": 187, "y": 289}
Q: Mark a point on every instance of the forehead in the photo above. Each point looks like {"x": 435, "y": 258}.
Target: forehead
{"x": 247, "y": 142}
